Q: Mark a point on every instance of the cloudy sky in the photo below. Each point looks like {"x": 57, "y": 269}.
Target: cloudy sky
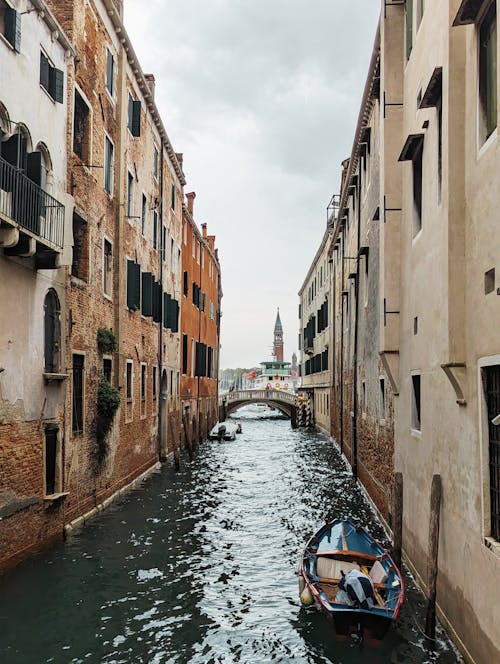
{"x": 262, "y": 97}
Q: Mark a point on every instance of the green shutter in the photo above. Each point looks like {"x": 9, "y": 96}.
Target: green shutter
{"x": 186, "y": 283}
{"x": 147, "y": 294}
{"x": 56, "y": 80}
{"x": 156, "y": 302}
{"x": 166, "y": 310}
{"x": 135, "y": 118}
{"x": 12, "y": 33}
{"x": 133, "y": 285}
{"x": 175, "y": 316}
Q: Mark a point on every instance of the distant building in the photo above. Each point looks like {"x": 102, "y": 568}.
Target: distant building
{"x": 200, "y": 308}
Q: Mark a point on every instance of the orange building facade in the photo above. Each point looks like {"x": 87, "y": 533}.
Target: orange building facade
{"x": 200, "y": 325}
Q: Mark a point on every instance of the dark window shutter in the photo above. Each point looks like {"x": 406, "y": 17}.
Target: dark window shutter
{"x": 176, "y": 317}
{"x": 13, "y": 28}
{"x": 184, "y": 353}
{"x": 34, "y": 167}
{"x": 133, "y": 285}
{"x": 186, "y": 283}
{"x": 156, "y": 302}
{"x": 147, "y": 294}
{"x": 135, "y": 118}
{"x": 194, "y": 293}
{"x": 44, "y": 71}
{"x": 172, "y": 194}
{"x": 167, "y": 310}
{"x": 110, "y": 72}
{"x": 56, "y": 84}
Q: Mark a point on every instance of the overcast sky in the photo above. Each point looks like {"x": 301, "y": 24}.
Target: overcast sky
{"x": 262, "y": 97}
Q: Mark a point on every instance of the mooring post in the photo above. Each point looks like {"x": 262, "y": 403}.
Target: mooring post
{"x": 397, "y": 518}
{"x": 187, "y": 436}
{"x": 293, "y": 417}
{"x": 173, "y": 432}
{"x": 432, "y": 557}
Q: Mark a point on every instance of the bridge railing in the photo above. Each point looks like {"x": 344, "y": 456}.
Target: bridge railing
{"x": 259, "y": 395}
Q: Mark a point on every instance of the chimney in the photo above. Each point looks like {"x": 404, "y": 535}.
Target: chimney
{"x": 204, "y": 230}
{"x": 191, "y": 196}
{"x": 151, "y": 84}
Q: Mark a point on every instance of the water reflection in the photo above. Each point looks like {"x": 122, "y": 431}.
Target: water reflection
{"x": 199, "y": 566}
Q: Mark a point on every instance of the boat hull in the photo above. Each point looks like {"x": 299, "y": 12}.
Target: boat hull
{"x": 333, "y": 551}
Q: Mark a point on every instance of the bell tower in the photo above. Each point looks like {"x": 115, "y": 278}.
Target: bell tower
{"x": 278, "y": 339}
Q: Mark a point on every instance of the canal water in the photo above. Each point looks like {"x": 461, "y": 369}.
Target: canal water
{"x": 199, "y": 566}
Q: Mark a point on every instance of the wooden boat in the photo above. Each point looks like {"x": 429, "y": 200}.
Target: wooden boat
{"x": 336, "y": 549}
{"x": 223, "y": 431}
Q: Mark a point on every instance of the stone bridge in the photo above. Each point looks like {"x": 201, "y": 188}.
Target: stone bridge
{"x": 285, "y": 402}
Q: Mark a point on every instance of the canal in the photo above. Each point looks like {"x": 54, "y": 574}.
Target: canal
{"x": 199, "y": 566}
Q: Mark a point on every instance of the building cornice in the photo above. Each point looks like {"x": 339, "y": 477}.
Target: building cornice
{"x": 186, "y": 214}
{"x": 321, "y": 249}
{"x": 53, "y": 25}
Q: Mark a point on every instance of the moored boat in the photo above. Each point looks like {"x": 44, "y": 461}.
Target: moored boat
{"x": 223, "y": 431}
{"x": 346, "y": 573}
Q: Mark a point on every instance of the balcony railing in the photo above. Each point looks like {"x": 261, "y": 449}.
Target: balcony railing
{"x": 27, "y": 204}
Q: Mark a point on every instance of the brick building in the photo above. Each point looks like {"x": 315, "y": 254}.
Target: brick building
{"x": 97, "y": 266}
{"x": 35, "y": 245}
{"x": 200, "y": 324}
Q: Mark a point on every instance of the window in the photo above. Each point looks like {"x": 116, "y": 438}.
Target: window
{"x": 134, "y": 116}
{"x": 143, "y": 382}
{"x": 164, "y": 243}
{"x": 81, "y": 128}
{"x": 128, "y": 381}
{"x": 382, "y": 398}
{"x": 108, "y": 165}
{"x": 489, "y": 281}
{"x": 51, "y": 79}
{"x": 107, "y": 366}
{"x": 155, "y": 230}
{"x": 487, "y": 34}
{"x": 130, "y": 195}
{"x": 154, "y": 382}
{"x": 144, "y": 208}
{"x": 50, "y": 458}
{"x": 417, "y": 189}
{"x": 415, "y": 406}
{"x": 110, "y": 72}
{"x": 79, "y": 264}
{"x": 52, "y": 332}
{"x": 172, "y": 197}
{"x": 185, "y": 283}
{"x": 172, "y": 255}
{"x": 107, "y": 268}
{"x": 77, "y": 393}
{"x": 184, "y": 354}
{"x": 10, "y": 25}
{"x": 155, "y": 162}
{"x": 192, "y": 357}
{"x": 491, "y": 383}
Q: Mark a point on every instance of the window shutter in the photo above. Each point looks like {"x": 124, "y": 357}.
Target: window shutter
{"x": 184, "y": 353}
{"x": 44, "y": 71}
{"x": 186, "y": 283}
{"x": 156, "y": 302}
{"x": 56, "y": 81}
{"x": 176, "y": 316}
{"x": 166, "y": 310}
{"x": 147, "y": 294}
{"x": 133, "y": 285}
{"x": 13, "y": 28}
{"x": 135, "y": 118}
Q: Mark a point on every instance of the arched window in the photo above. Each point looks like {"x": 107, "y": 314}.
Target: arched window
{"x": 4, "y": 121}
{"x": 52, "y": 330}
{"x": 15, "y": 150}
{"x": 44, "y": 167}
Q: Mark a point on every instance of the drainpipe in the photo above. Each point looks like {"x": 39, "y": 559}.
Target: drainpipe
{"x": 355, "y": 354}
{"x": 162, "y": 453}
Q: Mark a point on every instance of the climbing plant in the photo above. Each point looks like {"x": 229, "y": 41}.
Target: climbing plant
{"x": 108, "y": 401}
{"x": 106, "y": 340}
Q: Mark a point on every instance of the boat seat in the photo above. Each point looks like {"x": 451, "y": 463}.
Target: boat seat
{"x": 331, "y": 568}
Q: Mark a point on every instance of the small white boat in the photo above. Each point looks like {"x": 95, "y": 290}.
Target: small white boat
{"x": 223, "y": 431}
{"x": 238, "y": 427}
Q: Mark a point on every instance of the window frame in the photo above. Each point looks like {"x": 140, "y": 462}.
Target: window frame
{"x": 110, "y": 84}
{"x": 109, "y": 167}
{"x": 107, "y": 271}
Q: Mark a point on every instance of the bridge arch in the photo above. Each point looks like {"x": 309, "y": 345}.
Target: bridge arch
{"x": 285, "y": 402}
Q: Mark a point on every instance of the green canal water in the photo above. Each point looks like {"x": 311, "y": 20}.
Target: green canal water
{"x": 199, "y": 566}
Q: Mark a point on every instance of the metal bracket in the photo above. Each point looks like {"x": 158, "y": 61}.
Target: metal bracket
{"x": 385, "y": 103}
{"x": 455, "y": 372}
{"x": 386, "y": 209}
{"x": 387, "y": 312}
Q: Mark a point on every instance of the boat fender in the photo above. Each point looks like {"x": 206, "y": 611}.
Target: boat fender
{"x": 302, "y": 584}
{"x": 306, "y": 598}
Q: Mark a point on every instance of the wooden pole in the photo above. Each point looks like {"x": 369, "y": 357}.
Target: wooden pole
{"x": 432, "y": 557}
{"x": 173, "y": 433}
{"x": 187, "y": 436}
{"x": 397, "y": 518}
